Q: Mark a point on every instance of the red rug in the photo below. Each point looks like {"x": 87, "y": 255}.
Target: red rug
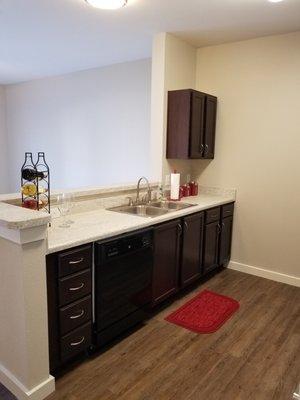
{"x": 205, "y": 313}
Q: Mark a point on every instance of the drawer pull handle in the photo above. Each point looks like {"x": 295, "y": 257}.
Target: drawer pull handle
{"x": 228, "y": 211}
{"x": 214, "y": 216}
{"x": 74, "y": 289}
{"x": 78, "y": 343}
{"x": 77, "y": 261}
{"x": 77, "y": 316}
{"x": 186, "y": 225}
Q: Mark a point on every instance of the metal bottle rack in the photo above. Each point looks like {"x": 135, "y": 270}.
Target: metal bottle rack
{"x": 41, "y": 197}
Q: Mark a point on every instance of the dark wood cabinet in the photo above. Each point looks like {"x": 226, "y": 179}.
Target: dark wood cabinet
{"x": 225, "y": 240}
{"x": 191, "y": 124}
{"x": 197, "y": 127}
{"x": 69, "y": 289}
{"x": 192, "y": 245}
{"x": 184, "y": 249}
{"x": 211, "y": 246}
{"x": 166, "y": 260}
{"x": 210, "y": 126}
{"x": 217, "y": 237}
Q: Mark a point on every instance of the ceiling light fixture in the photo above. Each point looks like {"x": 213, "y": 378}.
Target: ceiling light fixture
{"x": 107, "y": 4}
{"x": 275, "y": 1}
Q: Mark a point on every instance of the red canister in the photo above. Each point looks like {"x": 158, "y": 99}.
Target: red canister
{"x": 186, "y": 190}
{"x": 181, "y": 192}
{"x": 194, "y": 188}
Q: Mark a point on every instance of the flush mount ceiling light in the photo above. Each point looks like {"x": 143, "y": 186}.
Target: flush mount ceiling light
{"x": 275, "y": 1}
{"x": 107, "y": 4}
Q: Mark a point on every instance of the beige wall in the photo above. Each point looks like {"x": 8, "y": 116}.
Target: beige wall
{"x": 180, "y": 73}
{"x": 173, "y": 67}
{"x": 257, "y": 145}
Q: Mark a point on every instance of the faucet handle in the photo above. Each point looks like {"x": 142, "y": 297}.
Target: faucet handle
{"x": 149, "y": 195}
{"x": 130, "y": 201}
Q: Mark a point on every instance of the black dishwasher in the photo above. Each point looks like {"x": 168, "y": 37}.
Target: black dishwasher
{"x": 122, "y": 283}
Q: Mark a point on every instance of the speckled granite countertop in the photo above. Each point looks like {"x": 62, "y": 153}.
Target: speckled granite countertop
{"x": 14, "y": 217}
{"x": 100, "y": 224}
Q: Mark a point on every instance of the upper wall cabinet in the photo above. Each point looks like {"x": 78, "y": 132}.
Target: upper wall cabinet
{"x": 191, "y": 124}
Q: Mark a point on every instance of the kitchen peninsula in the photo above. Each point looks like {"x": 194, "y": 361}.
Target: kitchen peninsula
{"x": 26, "y": 241}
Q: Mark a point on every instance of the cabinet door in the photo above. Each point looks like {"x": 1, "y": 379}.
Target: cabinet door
{"x": 178, "y": 125}
{"x": 197, "y": 125}
{"x": 191, "y": 265}
{"x": 210, "y": 126}
{"x": 225, "y": 241}
{"x": 166, "y": 260}
{"x": 211, "y": 246}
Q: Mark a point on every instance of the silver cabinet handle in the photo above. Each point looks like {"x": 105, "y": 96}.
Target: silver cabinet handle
{"x": 77, "y": 261}
{"x": 180, "y": 229}
{"x": 223, "y": 225}
{"x": 78, "y": 343}
{"x": 214, "y": 216}
{"x": 201, "y": 148}
{"x": 186, "y": 225}
{"x": 74, "y": 289}
{"x": 78, "y": 315}
{"x": 219, "y": 228}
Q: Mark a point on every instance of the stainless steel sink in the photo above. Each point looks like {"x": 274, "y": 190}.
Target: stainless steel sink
{"x": 140, "y": 210}
{"x": 152, "y": 210}
{"x": 171, "y": 205}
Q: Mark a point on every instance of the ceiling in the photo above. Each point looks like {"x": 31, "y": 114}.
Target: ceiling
{"x": 41, "y": 38}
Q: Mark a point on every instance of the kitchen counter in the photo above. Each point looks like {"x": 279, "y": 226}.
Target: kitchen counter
{"x": 13, "y": 217}
{"x": 101, "y": 224}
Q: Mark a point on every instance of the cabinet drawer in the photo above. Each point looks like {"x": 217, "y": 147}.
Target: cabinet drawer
{"x": 76, "y": 342}
{"x": 74, "y": 261}
{"x": 227, "y": 210}
{"x": 74, "y": 315}
{"x": 212, "y": 215}
{"x": 74, "y": 287}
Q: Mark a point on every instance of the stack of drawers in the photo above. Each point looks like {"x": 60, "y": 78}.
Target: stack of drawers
{"x": 70, "y": 303}
{"x": 217, "y": 237}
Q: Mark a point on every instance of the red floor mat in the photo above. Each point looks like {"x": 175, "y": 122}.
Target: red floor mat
{"x": 205, "y": 313}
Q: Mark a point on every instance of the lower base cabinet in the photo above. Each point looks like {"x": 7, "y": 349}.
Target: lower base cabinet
{"x": 184, "y": 250}
{"x": 211, "y": 246}
{"x": 69, "y": 289}
{"x": 192, "y": 249}
{"x": 217, "y": 237}
{"x": 178, "y": 247}
{"x": 188, "y": 248}
{"x": 166, "y": 260}
{"x": 225, "y": 240}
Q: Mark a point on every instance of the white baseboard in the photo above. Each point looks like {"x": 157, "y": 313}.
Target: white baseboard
{"x": 265, "y": 273}
{"x": 39, "y": 392}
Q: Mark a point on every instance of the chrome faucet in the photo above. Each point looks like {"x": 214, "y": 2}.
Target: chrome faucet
{"x": 138, "y": 190}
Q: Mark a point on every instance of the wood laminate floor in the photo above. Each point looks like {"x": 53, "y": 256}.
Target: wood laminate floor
{"x": 255, "y": 355}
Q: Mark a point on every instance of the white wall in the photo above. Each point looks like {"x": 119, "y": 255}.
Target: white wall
{"x": 93, "y": 125}
{"x": 3, "y": 144}
{"x": 257, "y": 145}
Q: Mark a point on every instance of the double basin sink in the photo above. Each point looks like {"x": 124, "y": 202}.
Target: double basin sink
{"x": 152, "y": 210}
